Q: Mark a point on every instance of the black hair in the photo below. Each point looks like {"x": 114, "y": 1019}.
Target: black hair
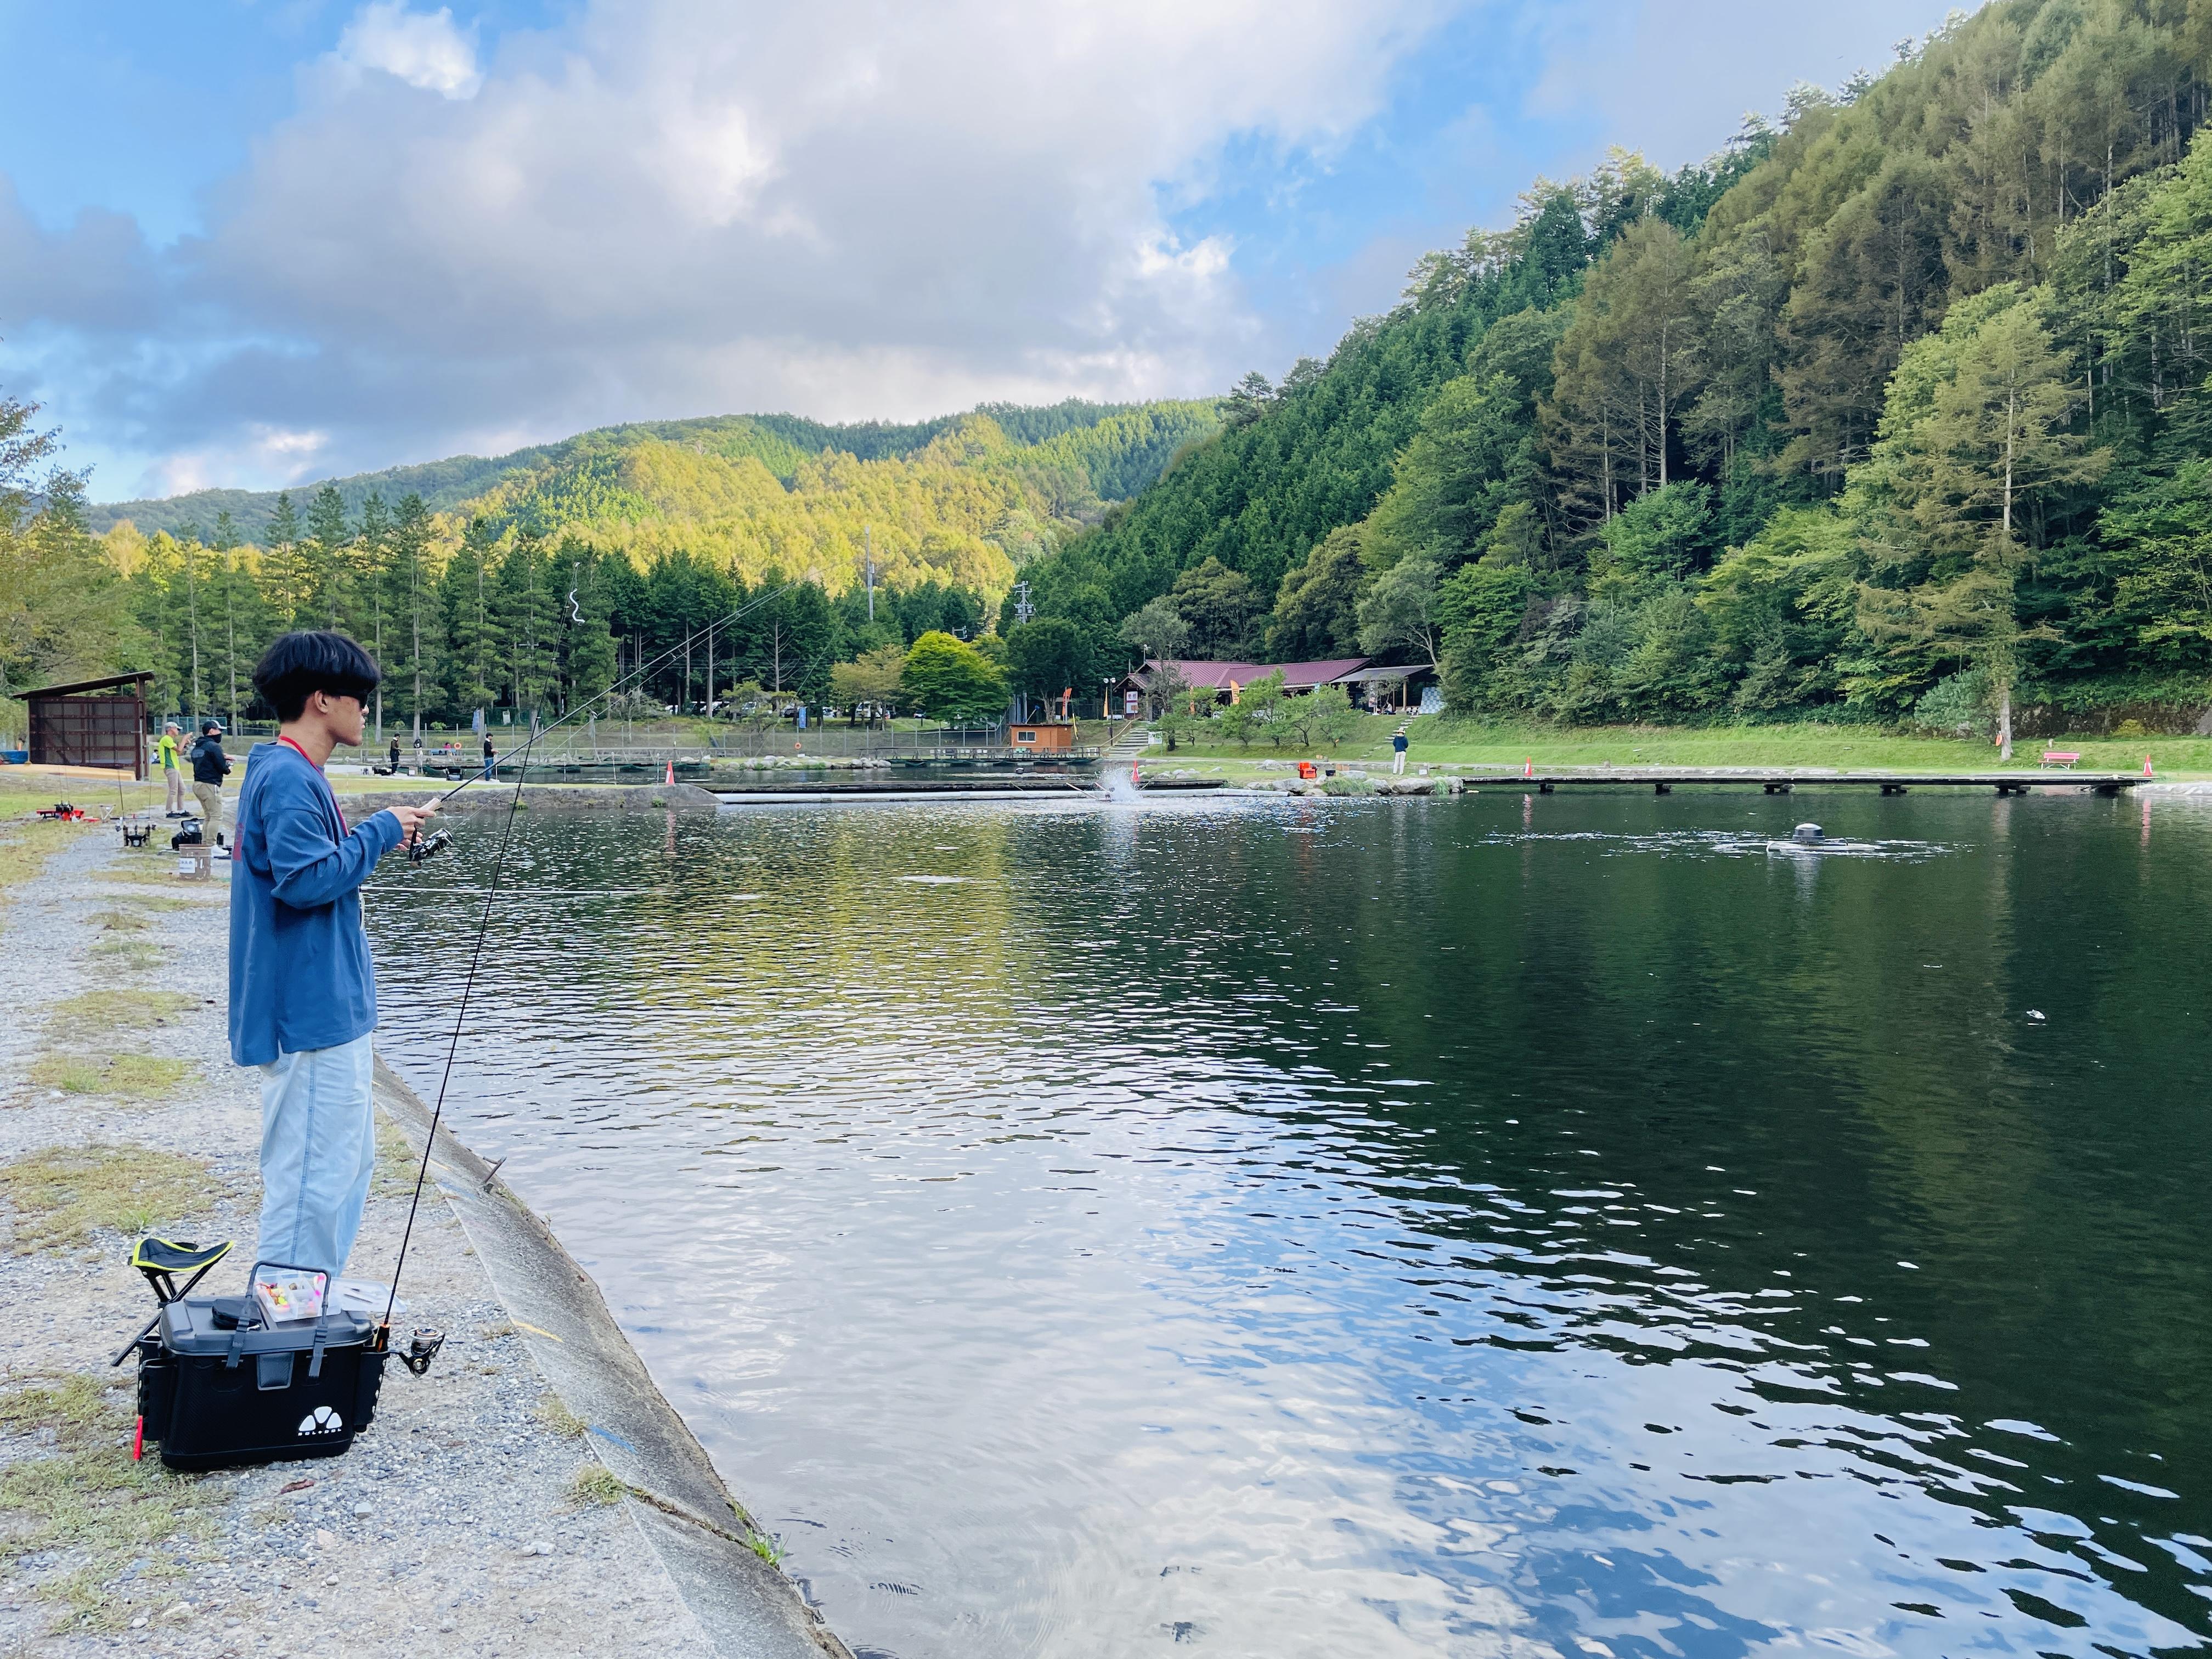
{"x": 311, "y": 661}
{"x": 207, "y": 726}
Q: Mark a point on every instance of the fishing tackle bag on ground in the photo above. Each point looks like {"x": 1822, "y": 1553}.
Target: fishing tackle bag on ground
{"x": 217, "y": 1388}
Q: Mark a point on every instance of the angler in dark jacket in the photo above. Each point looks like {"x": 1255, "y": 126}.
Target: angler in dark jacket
{"x": 210, "y": 767}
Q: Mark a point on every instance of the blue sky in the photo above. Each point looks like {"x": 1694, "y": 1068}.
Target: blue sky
{"x": 262, "y": 241}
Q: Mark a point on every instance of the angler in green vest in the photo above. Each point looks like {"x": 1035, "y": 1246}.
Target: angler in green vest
{"x": 173, "y": 775}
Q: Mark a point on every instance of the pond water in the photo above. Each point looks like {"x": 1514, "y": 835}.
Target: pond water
{"x": 1529, "y": 1225}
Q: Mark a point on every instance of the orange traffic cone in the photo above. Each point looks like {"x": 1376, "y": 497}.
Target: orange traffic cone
{"x": 671, "y": 770}
{"x": 1529, "y": 767}
{"x": 2146, "y": 771}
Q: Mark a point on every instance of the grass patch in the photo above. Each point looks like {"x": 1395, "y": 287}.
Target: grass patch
{"x": 97, "y": 1013}
{"x": 134, "y": 954}
{"x": 159, "y": 902}
{"x": 88, "y": 1497}
{"x": 397, "y": 1159}
{"x": 25, "y": 848}
{"x": 767, "y": 1546}
{"x": 154, "y": 871}
{"x": 121, "y": 921}
{"x": 553, "y": 1411}
{"x": 595, "y": 1484}
{"x": 1444, "y": 739}
{"x": 62, "y": 1195}
{"x": 117, "y": 1077}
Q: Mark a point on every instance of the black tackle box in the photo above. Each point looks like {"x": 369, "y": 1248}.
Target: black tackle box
{"x": 217, "y": 1388}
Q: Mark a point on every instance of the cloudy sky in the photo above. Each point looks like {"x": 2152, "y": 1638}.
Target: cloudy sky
{"x": 260, "y": 241}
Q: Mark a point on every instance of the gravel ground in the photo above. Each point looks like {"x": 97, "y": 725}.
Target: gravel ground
{"x": 456, "y": 1525}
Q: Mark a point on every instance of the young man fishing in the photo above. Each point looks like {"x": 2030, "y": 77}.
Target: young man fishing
{"x": 302, "y": 990}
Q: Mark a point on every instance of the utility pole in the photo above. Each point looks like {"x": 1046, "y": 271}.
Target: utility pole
{"x": 872, "y": 572}
{"x": 1024, "y": 611}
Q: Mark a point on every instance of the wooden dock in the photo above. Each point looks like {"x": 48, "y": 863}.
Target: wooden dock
{"x": 1664, "y": 782}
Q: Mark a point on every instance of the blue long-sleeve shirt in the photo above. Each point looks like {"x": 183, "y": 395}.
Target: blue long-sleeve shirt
{"x": 299, "y": 973}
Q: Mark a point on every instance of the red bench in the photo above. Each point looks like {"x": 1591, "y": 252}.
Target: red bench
{"x": 2064, "y": 757}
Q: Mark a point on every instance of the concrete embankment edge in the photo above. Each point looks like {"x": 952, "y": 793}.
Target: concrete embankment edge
{"x": 748, "y": 1608}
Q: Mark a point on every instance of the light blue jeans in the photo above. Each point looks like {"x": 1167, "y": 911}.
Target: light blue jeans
{"x": 318, "y": 1151}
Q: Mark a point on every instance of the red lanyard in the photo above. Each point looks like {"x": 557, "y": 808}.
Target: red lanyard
{"x": 330, "y": 794}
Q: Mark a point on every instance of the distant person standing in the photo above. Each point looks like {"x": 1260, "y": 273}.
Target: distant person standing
{"x": 210, "y": 767}
{"x": 491, "y": 754}
{"x": 173, "y": 773}
{"x": 1398, "y": 754}
{"x": 395, "y": 754}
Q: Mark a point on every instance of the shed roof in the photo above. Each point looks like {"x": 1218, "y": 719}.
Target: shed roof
{"x": 1297, "y": 675}
{"x": 1403, "y": 671}
{"x": 75, "y": 686}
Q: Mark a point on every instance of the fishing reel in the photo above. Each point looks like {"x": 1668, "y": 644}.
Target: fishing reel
{"x": 421, "y": 1351}
{"x": 421, "y": 849}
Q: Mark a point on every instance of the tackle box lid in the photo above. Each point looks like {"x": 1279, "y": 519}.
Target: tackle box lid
{"x": 190, "y": 1328}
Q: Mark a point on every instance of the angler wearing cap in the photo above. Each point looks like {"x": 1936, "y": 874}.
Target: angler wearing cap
{"x": 210, "y": 766}
{"x": 302, "y": 989}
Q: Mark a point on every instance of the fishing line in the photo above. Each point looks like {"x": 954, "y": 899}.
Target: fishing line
{"x": 483, "y": 926}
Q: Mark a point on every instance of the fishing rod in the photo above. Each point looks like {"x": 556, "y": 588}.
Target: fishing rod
{"x": 418, "y": 1359}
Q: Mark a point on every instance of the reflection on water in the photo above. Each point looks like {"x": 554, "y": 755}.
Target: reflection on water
{"x": 1388, "y": 1228}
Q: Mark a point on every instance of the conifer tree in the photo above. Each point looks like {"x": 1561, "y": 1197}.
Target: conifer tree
{"x": 414, "y": 602}
{"x": 326, "y": 552}
{"x": 1977, "y": 434}
{"x": 284, "y": 564}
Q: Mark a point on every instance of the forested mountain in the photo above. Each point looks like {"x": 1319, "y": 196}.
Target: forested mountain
{"x": 1895, "y": 410}
{"x": 1124, "y": 460}
{"x": 547, "y": 574}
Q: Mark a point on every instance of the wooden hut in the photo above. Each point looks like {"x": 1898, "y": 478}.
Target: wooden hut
{"x": 1044, "y": 735}
{"x": 91, "y": 723}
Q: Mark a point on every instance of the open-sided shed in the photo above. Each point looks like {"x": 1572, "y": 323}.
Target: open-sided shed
{"x": 91, "y": 723}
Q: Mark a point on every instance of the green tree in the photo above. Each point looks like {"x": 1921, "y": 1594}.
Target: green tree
{"x": 872, "y": 681}
{"x": 1258, "y": 711}
{"x": 526, "y": 615}
{"x": 1045, "y": 658}
{"x": 1627, "y": 367}
{"x": 1157, "y": 631}
{"x": 468, "y": 595}
{"x": 1398, "y": 613}
{"x": 1480, "y": 611}
{"x": 1978, "y": 430}
{"x": 374, "y": 577}
{"x": 1472, "y": 457}
{"x": 1317, "y": 608}
{"x": 240, "y": 623}
{"x": 1324, "y": 715}
{"x": 1220, "y": 605}
{"x": 325, "y": 556}
{"x": 950, "y": 680}
{"x": 414, "y": 602}
{"x": 64, "y": 612}
{"x": 587, "y": 642}
{"x": 286, "y": 568}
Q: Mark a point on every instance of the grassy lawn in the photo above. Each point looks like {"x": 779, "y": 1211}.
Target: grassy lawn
{"x": 1440, "y": 740}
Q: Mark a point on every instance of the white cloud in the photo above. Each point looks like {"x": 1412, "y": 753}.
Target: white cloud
{"x": 268, "y": 453}
{"x": 423, "y": 49}
{"x": 670, "y": 207}
{"x": 660, "y": 208}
